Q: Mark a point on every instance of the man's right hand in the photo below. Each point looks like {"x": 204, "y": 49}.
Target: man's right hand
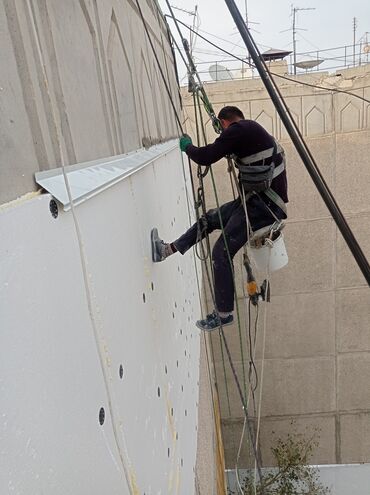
{"x": 185, "y": 140}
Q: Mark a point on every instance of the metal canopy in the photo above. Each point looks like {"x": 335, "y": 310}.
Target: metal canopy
{"x": 90, "y": 178}
{"x": 274, "y": 54}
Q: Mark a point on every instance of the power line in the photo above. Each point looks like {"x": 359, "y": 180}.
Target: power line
{"x": 244, "y": 61}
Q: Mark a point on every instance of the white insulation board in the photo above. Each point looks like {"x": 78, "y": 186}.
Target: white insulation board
{"x": 52, "y": 387}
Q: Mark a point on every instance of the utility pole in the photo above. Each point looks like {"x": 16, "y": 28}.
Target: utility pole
{"x": 354, "y": 40}
{"x": 294, "y": 29}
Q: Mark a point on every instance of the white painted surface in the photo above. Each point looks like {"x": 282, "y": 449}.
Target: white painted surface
{"x": 341, "y": 479}
{"x": 348, "y": 479}
{"x": 51, "y": 381}
{"x": 90, "y": 178}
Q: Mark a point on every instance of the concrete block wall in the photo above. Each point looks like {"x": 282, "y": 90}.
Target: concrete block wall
{"x": 317, "y": 355}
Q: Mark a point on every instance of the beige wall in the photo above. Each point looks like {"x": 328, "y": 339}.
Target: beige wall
{"x": 104, "y": 84}
{"x": 317, "y": 355}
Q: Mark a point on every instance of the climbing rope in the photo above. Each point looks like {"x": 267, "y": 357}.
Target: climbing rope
{"x": 208, "y": 109}
{"x": 252, "y": 365}
{"x": 228, "y": 253}
{"x": 192, "y": 186}
{"x": 200, "y": 91}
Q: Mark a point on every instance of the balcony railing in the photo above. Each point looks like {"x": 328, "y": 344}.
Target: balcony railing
{"x": 328, "y": 60}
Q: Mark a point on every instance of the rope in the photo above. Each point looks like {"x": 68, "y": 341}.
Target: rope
{"x": 192, "y": 71}
{"x": 263, "y": 356}
{"x": 191, "y": 178}
{"x": 242, "y": 397}
{"x": 197, "y": 277}
{"x": 206, "y": 254}
{"x": 252, "y": 366}
{"x": 222, "y": 336}
{"x": 252, "y": 388}
{"x": 228, "y": 253}
{"x": 252, "y": 347}
{"x": 200, "y": 301}
{"x": 200, "y": 202}
{"x": 209, "y": 110}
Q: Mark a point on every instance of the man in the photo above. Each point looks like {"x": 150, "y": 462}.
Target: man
{"x": 253, "y": 149}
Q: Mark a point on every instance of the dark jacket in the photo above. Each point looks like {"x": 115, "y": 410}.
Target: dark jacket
{"x": 242, "y": 139}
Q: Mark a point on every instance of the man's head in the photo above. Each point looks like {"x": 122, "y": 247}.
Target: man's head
{"x": 228, "y": 115}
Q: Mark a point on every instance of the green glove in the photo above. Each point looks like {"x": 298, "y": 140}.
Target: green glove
{"x": 185, "y": 140}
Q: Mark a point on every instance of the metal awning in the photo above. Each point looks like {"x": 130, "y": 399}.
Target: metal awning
{"x": 90, "y": 178}
{"x": 274, "y": 54}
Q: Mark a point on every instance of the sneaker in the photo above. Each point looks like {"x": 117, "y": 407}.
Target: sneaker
{"x": 213, "y": 321}
{"x": 158, "y": 247}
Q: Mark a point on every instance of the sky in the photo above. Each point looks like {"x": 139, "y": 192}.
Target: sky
{"x": 330, "y": 25}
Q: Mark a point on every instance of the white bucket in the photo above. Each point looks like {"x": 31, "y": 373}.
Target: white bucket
{"x": 271, "y": 256}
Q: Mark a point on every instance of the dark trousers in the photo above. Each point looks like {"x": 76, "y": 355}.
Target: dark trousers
{"x": 235, "y": 230}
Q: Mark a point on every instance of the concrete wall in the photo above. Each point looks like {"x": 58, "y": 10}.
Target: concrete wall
{"x": 103, "y": 84}
{"x": 317, "y": 365}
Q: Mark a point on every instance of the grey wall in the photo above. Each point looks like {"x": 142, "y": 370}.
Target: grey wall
{"x": 103, "y": 84}
{"x": 317, "y": 365}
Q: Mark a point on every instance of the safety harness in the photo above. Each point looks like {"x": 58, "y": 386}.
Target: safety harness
{"x": 256, "y": 177}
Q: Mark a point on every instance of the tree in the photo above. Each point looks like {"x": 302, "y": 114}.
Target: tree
{"x": 292, "y": 475}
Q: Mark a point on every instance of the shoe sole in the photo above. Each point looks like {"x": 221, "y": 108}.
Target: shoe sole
{"x": 212, "y": 329}
{"x": 153, "y": 238}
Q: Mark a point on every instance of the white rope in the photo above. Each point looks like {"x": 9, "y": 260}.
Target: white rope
{"x": 261, "y": 382}
{"x": 238, "y": 456}
{"x": 83, "y": 258}
{"x": 250, "y": 232}
{"x": 269, "y": 242}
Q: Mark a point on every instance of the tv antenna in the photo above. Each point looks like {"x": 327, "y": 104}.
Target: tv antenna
{"x": 248, "y": 24}
{"x": 294, "y": 12}
{"x": 294, "y": 30}
{"x": 354, "y": 40}
{"x": 196, "y": 23}
{"x": 189, "y": 12}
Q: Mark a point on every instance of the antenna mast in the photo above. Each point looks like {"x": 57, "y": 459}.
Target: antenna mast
{"x": 294, "y": 29}
{"x": 354, "y": 40}
{"x": 194, "y": 13}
